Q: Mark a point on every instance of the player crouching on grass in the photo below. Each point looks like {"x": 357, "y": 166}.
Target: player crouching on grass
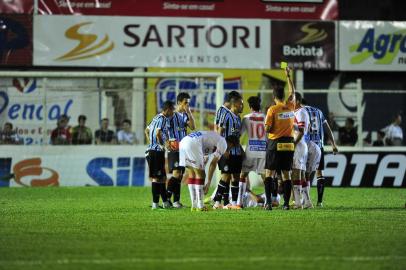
{"x": 156, "y": 132}
{"x": 192, "y": 150}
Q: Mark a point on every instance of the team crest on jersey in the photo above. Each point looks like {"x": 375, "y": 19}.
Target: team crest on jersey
{"x": 226, "y": 168}
{"x": 176, "y": 164}
{"x": 285, "y": 115}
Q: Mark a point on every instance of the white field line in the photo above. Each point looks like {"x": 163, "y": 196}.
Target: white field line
{"x": 202, "y": 259}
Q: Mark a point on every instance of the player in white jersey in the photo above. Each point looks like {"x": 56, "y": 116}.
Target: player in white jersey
{"x": 192, "y": 150}
{"x": 253, "y": 125}
{"x": 302, "y": 121}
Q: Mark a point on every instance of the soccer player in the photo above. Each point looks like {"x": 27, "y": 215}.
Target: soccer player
{"x": 253, "y": 125}
{"x": 316, "y": 134}
{"x": 230, "y": 166}
{"x": 156, "y": 133}
{"x": 279, "y": 156}
{"x": 192, "y": 150}
{"x": 222, "y": 111}
{"x": 178, "y": 124}
{"x": 301, "y": 152}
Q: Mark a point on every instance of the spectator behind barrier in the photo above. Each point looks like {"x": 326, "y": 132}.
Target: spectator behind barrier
{"x": 8, "y": 135}
{"x": 104, "y": 135}
{"x": 61, "y": 134}
{"x": 393, "y": 132}
{"x": 348, "y": 134}
{"x": 81, "y": 134}
{"x": 125, "y": 135}
{"x": 380, "y": 140}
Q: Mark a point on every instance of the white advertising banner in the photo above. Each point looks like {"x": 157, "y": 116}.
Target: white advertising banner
{"x": 112, "y": 41}
{"x": 372, "y": 45}
{"x": 34, "y": 111}
{"x": 92, "y": 165}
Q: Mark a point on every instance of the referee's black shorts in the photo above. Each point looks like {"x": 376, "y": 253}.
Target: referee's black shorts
{"x": 279, "y": 154}
{"x": 156, "y": 164}
{"x": 173, "y": 162}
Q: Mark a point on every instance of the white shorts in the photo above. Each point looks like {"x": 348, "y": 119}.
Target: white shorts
{"x": 253, "y": 165}
{"x": 191, "y": 153}
{"x": 300, "y": 156}
{"x": 313, "y": 157}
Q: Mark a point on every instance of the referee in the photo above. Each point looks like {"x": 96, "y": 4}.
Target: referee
{"x": 279, "y": 154}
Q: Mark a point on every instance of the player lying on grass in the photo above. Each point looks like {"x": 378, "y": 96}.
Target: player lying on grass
{"x": 192, "y": 150}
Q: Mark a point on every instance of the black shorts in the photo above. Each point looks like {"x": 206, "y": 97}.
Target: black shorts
{"x": 156, "y": 164}
{"x": 173, "y": 162}
{"x": 282, "y": 158}
{"x": 230, "y": 165}
{"x": 321, "y": 164}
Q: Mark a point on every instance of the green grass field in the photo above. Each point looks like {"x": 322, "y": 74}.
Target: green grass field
{"x": 114, "y": 228}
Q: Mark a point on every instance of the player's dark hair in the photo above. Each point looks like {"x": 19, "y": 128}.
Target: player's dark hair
{"x": 255, "y": 103}
{"x": 182, "y": 96}
{"x": 235, "y": 97}
{"x": 233, "y": 140}
{"x": 279, "y": 92}
{"x": 168, "y": 105}
{"x": 128, "y": 121}
{"x": 298, "y": 97}
{"x": 233, "y": 94}
{"x": 304, "y": 101}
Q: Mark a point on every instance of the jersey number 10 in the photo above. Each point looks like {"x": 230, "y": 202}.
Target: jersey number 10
{"x": 257, "y": 130}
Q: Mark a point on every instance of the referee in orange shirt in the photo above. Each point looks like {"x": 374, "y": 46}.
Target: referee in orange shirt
{"x": 279, "y": 154}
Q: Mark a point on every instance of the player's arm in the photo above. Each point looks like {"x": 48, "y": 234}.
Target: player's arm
{"x": 212, "y": 168}
{"x": 299, "y": 135}
{"x": 146, "y": 132}
{"x": 191, "y": 120}
{"x": 330, "y": 136}
{"x": 244, "y": 127}
{"x": 268, "y": 120}
{"x": 159, "y": 137}
{"x": 291, "y": 86}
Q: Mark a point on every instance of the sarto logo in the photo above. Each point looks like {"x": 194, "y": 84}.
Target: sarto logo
{"x": 87, "y": 47}
{"x": 29, "y": 169}
{"x": 383, "y": 48}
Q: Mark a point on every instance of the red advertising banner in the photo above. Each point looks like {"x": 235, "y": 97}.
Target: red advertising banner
{"x": 266, "y": 9}
{"x": 309, "y": 44}
{"x": 16, "y": 6}
{"x": 16, "y": 40}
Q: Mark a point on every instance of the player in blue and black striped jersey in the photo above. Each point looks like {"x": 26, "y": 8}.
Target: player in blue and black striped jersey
{"x": 316, "y": 134}
{"x": 224, "y": 109}
{"x": 177, "y": 129}
{"x": 156, "y": 133}
{"x": 230, "y": 125}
